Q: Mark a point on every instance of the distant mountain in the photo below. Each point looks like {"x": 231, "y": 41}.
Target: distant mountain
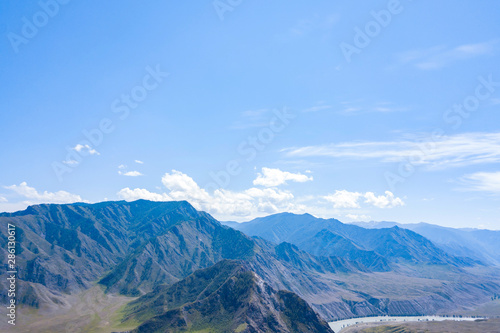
{"x": 483, "y": 245}
{"x": 227, "y": 297}
{"x": 374, "y": 248}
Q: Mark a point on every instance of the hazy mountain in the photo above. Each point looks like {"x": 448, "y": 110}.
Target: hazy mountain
{"x": 374, "y": 248}
{"x": 483, "y": 245}
{"x": 227, "y": 297}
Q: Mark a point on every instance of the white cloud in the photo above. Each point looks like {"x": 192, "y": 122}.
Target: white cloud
{"x": 274, "y": 177}
{"x": 139, "y": 193}
{"x": 130, "y": 173}
{"x": 483, "y": 181}
{"x": 85, "y": 148}
{"x": 223, "y": 203}
{"x": 122, "y": 166}
{"x": 355, "y": 217}
{"x": 183, "y": 187}
{"x": 383, "y": 201}
{"x": 440, "y": 56}
{"x": 249, "y": 203}
{"x": 344, "y": 199}
{"x": 3, "y": 199}
{"x": 139, "y": 162}
{"x": 433, "y": 152}
{"x": 46, "y": 197}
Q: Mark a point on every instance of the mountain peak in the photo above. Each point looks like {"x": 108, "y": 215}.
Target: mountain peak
{"x": 227, "y": 296}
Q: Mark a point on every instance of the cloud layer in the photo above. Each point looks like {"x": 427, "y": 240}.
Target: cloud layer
{"x": 346, "y": 199}
{"x": 483, "y": 181}
{"x": 440, "y": 152}
{"x": 440, "y": 56}
{"x": 256, "y": 201}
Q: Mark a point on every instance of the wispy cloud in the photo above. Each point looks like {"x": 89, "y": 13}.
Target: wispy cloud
{"x": 356, "y": 107}
{"x": 139, "y": 162}
{"x": 440, "y": 56}
{"x": 494, "y": 101}
{"x": 482, "y": 181}
{"x": 252, "y": 118}
{"x": 317, "y": 108}
{"x": 443, "y": 152}
{"x": 308, "y": 25}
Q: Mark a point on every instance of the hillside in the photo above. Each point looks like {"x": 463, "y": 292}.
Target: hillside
{"x": 227, "y": 297}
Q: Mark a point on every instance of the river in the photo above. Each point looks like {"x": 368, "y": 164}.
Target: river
{"x": 338, "y": 325}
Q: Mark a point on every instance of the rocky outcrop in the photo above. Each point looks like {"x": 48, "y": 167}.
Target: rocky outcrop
{"x": 227, "y": 297}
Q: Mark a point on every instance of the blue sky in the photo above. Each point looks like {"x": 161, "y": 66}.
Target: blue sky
{"x": 380, "y": 110}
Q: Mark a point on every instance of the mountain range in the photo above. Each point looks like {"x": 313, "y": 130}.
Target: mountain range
{"x": 480, "y": 244}
{"x": 181, "y": 268}
{"x": 324, "y": 237}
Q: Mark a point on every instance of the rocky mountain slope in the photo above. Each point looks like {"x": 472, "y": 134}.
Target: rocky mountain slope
{"x": 131, "y": 248}
{"x": 227, "y": 297}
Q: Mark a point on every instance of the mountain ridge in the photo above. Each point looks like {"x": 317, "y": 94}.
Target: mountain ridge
{"x": 132, "y": 247}
{"x": 307, "y": 231}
